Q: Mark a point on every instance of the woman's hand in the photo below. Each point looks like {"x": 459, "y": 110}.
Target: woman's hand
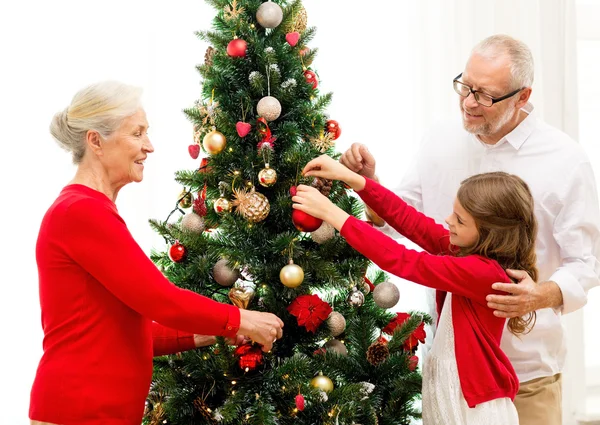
{"x": 328, "y": 168}
{"x": 263, "y": 328}
{"x": 313, "y": 202}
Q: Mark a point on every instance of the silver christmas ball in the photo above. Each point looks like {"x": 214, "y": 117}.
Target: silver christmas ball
{"x": 223, "y": 275}
{"x": 336, "y": 323}
{"x": 336, "y": 346}
{"x": 269, "y": 15}
{"x": 356, "y": 298}
{"x": 269, "y": 108}
{"x": 192, "y": 222}
{"x": 323, "y": 233}
{"x": 386, "y": 295}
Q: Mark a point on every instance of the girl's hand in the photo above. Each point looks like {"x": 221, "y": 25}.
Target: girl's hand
{"x": 328, "y": 168}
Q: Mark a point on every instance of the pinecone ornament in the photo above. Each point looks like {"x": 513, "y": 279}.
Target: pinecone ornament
{"x": 208, "y": 56}
{"x": 204, "y": 410}
{"x": 322, "y": 185}
{"x": 252, "y": 205}
{"x": 378, "y": 352}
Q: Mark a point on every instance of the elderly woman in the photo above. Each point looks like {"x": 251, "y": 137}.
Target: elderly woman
{"x": 106, "y": 308}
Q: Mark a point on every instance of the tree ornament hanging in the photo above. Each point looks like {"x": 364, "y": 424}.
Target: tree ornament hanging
{"x": 209, "y": 56}
{"x": 177, "y": 252}
{"x": 356, "y": 298}
{"x": 200, "y": 205}
{"x": 336, "y": 323}
{"x": 243, "y": 128}
{"x": 193, "y": 223}
{"x": 291, "y": 275}
{"x": 223, "y": 274}
{"x": 233, "y": 11}
{"x": 336, "y": 346}
{"x": 305, "y": 222}
{"x": 250, "y": 356}
{"x": 292, "y": 38}
{"x": 322, "y": 185}
{"x": 267, "y": 177}
{"x": 333, "y": 127}
{"x": 311, "y": 78}
{"x": 222, "y": 205}
{"x": 413, "y": 362}
{"x": 378, "y": 352}
{"x": 298, "y": 23}
{"x": 269, "y": 15}
{"x": 237, "y": 48}
{"x": 194, "y": 151}
{"x": 300, "y": 402}
{"x": 322, "y": 382}
{"x": 386, "y": 295}
{"x": 252, "y": 205}
{"x": 269, "y": 108}
{"x": 324, "y": 233}
{"x": 214, "y": 142}
{"x": 186, "y": 199}
{"x": 323, "y": 141}
{"x": 241, "y": 296}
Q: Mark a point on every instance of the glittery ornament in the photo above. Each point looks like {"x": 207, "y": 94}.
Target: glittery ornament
{"x": 298, "y": 23}
{"x": 222, "y": 206}
{"x": 336, "y": 323}
{"x": 269, "y": 108}
{"x": 223, "y": 274}
{"x": 252, "y": 205}
{"x": 267, "y": 177}
{"x": 336, "y": 346}
{"x": 322, "y": 382}
{"x": 291, "y": 275}
{"x": 269, "y": 15}
{"x": 356, "y": 298}
{"x": 194, "y": 151}
{"x": 386, "y": 295}
{"x": 193, "y": 223}
{"x": 243, "y": 128}
{"x": 324, "y": 233}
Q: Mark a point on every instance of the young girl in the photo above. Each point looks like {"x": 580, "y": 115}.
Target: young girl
{"x": 467, "y": 379}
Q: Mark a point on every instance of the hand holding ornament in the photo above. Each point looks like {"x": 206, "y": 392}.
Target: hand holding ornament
{"x": 328, "y": 168}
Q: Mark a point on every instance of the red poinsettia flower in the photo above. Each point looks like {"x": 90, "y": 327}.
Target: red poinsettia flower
{"x": 413, "y": 340}
{"x": 310, "y": 311}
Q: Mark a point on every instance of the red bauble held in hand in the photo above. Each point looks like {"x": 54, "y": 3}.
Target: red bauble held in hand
{"x": 305, "y": 222}
{"x": 177, "y": 252}
{"x": 237, "y": 48}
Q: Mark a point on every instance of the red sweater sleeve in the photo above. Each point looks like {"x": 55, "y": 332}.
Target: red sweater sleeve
{"x": 470, "y": 276}
{"x": 169, "y": 341}
{"x": 96, "y": 237}
{"x": 422, "y": 230}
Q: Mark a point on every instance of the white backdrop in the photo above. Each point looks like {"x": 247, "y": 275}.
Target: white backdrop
{"x": 389, "y": 65}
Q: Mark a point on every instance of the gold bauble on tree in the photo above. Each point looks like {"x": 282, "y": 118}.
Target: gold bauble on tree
{"x": 322, "y": 382}
{"x": 214, "y": 142}
{"x": 222, "y": 206}
{"x": 252, "y": 205}
{"x": 186, "y": 200}
{"x": 291, "y": 275}
{"x": 267, "y": 177}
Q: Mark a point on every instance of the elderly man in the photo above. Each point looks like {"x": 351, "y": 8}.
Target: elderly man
{"x": 500, "y": 132}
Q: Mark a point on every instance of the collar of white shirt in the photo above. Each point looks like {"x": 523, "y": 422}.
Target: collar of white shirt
{"x": 517, "y": 137}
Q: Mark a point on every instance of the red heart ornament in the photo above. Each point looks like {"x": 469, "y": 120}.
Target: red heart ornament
{"x": 292, "y": 38}
{"x": 194, "y": 151}
{"x": 243, "y": 128}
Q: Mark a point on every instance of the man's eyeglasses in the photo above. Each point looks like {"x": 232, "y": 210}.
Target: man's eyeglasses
{"x": 480, "y": 97}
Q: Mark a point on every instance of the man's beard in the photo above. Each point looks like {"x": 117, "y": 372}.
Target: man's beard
{"x": 488, "y": 128}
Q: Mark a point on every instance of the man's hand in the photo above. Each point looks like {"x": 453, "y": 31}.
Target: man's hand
{"x": 358, "y": 159}
{"x": 524, "y": 297}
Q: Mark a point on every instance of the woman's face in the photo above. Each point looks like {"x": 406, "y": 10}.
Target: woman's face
{"x": 125, "y": 151}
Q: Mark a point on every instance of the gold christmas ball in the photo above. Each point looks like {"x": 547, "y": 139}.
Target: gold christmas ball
{"x": 223, "y": 274}
{"x": 214, "y": 142}
{"x": 269, "y": 108}
{"x": 269, "y": 15}
{"x": 336, "y": 323}
{"x": 386, "y": 295}
{"x": 241, "y": 297}
{"x": 192, "y": 222}
{"x": 186, "y": 199}
{"x": 267, "y": 177}
{"x": 291, "y": 275}
{"x": 336, "y": 346}
{"x": 325, "y": 232}
{"x": 322, "y": 382}
{"x": 222, "y": 206}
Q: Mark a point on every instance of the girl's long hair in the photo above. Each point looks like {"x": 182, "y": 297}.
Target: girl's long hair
{"x": 502, "y": 207}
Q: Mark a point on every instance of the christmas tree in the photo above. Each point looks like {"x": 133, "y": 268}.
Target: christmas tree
{"x": 344, "y": 357}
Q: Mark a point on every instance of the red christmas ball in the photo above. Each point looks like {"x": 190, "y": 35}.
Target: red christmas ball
{"x": 177, "y": 252}
{"x": 305, "y": 222}
{"x": 333, "y": 127}
{"x": 237, "y": 48}
{"x": 413, "y": 362}
{"x": 311, "y": 78}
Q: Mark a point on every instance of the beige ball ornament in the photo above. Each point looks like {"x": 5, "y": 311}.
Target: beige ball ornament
{"x": 291, "y": 275}
{"x": 193, "y": 223}
{"x": 269, "y": 108}
{"x": 269, "y": 15}
{"x": 336, "y": 346}
{"x": 336, "y": 323}
{"x": 386, "y": 295}
{"x": 223, "y": 274}
{"x": 325, "y": 232}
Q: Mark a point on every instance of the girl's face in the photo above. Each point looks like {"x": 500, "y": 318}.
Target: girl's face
{"x": 463, "y": 231}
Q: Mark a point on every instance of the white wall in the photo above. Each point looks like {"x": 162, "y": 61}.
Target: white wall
{"x": 50, "y": 49}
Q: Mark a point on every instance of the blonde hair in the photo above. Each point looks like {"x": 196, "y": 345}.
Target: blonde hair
{"x": 101, "y": 107}
{"x": 521, "y": 59}
{"x": 502, "y": 207}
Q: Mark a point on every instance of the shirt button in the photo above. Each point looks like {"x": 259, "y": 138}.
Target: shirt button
{"x": 229, "y": 328}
